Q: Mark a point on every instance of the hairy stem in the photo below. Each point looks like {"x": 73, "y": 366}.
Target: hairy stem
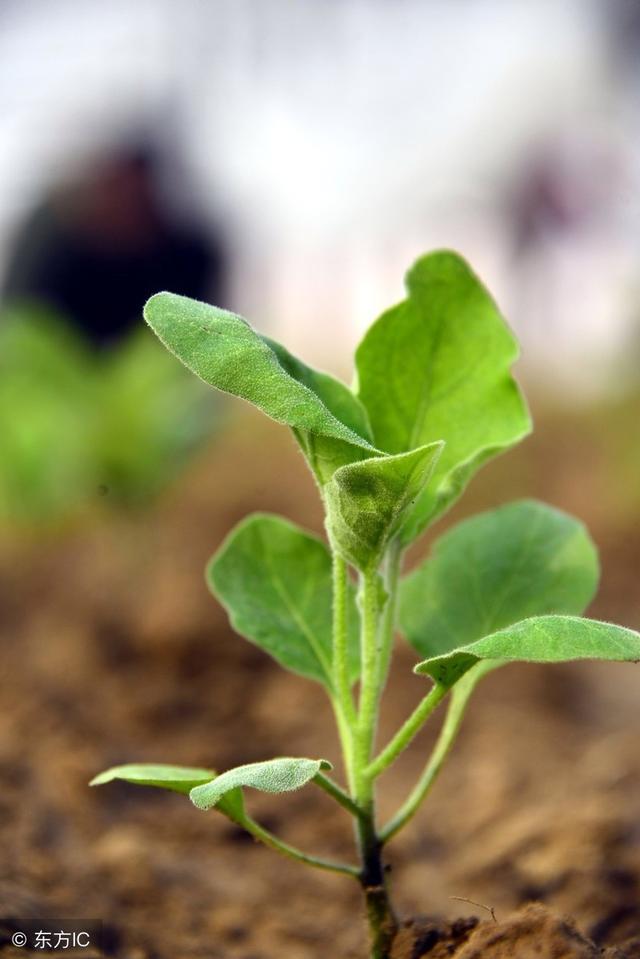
{"x": 459, "y": 699}
{"x": 369, "y": 650}
{"x": 382, "y": 921}
{"x": 266, "y": 837}
{"x": 392, "y": 574}
{"x": 342, "y": 700}
{"x": 324, "y": 782}
{"x": 341, "y": 637}
{"x": 407, "y": 731}
{"x": 383, "y": 924}
{"x": 346, "y": 735}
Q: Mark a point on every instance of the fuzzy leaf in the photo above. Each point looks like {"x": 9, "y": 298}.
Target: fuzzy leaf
{"x": 274, "y": 580}
{"x": 436, "y": 367}
{"x": 273, "y": 776}
{"x": 541, "y": 639}
{"x": 325, "y": 453}
{"x": 180, "y": 779}
{"x": 224, "y": 351}
{"x": 368, "y": 501}
{"x": 520, "y": 560}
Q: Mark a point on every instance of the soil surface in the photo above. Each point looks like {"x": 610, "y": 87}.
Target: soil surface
{"x": 532, "y": 932}
{"x": 113, "y": 651}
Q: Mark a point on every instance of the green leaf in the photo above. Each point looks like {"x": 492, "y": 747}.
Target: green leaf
{"x": 274, "y": 580}
{"x": 180, "y": 779}
{"x": 368, "y": 501}
{"x": 436, "y": 367}
{"x": 273, "y": 776}
{"x": 325, "y": 453}
{"x": 224, "y": 351}
{"x": 520, "y": 560}
{"x": 541, "y": 639}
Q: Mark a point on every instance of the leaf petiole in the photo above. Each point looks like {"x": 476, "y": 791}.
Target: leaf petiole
{"x": 291, "y": 852}
{"x": 337, "y": 793}
{"x": 457, "y": 706}
{"x": 407, "y": 731}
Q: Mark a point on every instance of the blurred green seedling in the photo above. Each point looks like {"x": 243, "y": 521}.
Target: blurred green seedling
{"x": 75, "y": 423}
{"x": 433, "y": 400}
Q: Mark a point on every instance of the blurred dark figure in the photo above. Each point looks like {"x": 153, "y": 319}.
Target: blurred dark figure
{"x": 563, "y": 190}
{"x": 623, "y": 20}
{"x": 96, "y": 251}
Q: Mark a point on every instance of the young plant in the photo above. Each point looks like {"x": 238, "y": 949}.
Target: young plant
{"x": 127, "y": 419}
{"x": 434, "y": 399}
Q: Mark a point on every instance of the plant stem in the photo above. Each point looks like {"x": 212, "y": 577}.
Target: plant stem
{"x": 324, "y": 782}
{"x": 266, "y": 837}
{"x": 346, "y": 736}
{"x": 341, "y": 637}
{"x": 341, "y": 698}
{"x": 382, "y": 921}
{"x": 459, "y": 699}
{"x": 394, "y": 558}
{"x": 369, "y": 650}
{"x": 407, "y": 731}
{"x": 383, "y": 924}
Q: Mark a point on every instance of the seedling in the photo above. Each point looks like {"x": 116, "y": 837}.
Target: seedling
{"x": 75, "y": 424}
{"x": 434, "y": 399}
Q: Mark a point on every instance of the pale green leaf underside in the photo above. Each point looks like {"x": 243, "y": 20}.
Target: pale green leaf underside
{"x": 436, "y": 367}
{"x": 336, "y": 395}
{"x": 368, "y": 501}
{"x": 325, "y": 454}
{"x": 274, "y": 580}
{"x": 520, "y": 560}
{"x": 180, "y": 779}
{"x": 541, "y": 639}
{"x": 224, "y": 351}
{"x": 273, "y": 776}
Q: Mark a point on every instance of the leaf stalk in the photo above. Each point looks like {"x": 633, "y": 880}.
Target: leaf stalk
{"x": 292, "y": 852}
{"x": 337, "y": 793}
{"x": 410, "y": 728}
{"x": 445, "y": 741}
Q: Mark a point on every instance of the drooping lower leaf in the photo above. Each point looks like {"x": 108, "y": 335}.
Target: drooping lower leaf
{"x": 368, "y": 501}
{"x": 437, "y": 367}
{"x": 274, "y": 580}
{"x": 224, "y": 351}
{"x": 541, "y": 639}
{"x": 180, "y": 779}
{"x": 273, "y": 776}
{"x": 520, "y": 560}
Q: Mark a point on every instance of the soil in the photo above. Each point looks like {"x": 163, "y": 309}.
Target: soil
{"x": 113, "y": 651}
{"x": 532, "y": 932}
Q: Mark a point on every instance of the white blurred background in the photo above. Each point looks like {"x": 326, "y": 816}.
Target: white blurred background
{"x": 329, "y": 142}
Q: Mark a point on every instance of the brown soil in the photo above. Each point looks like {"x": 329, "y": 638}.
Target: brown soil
{"x": 532, "y": 932}
{"x": 112, "y": 651}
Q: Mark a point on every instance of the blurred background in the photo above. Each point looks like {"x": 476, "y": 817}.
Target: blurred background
{"x": 288, "y": 160}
